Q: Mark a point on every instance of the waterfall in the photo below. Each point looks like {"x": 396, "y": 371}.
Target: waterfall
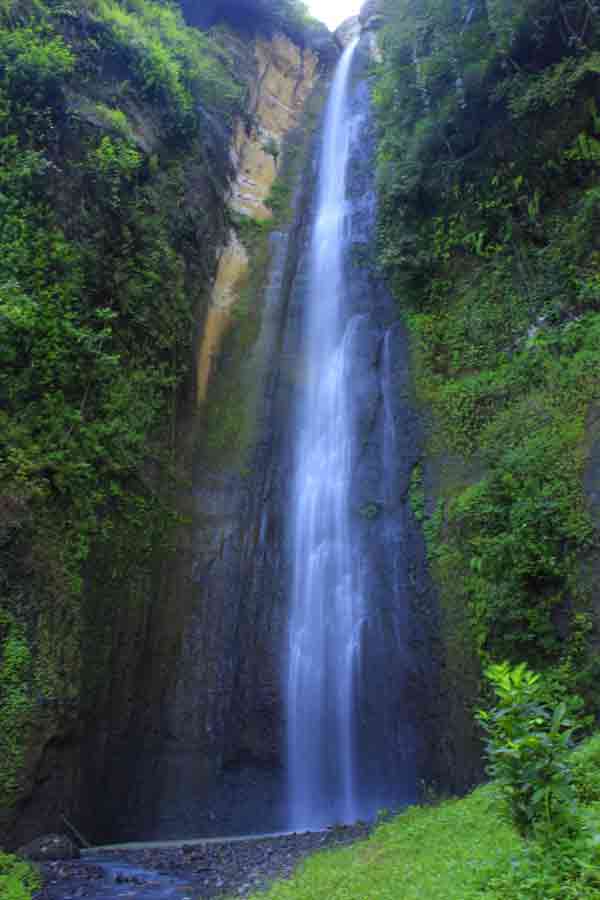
{"x": 327, "y": 593}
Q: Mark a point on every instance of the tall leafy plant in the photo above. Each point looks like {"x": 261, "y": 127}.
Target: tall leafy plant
{"x": 527, "y": 749}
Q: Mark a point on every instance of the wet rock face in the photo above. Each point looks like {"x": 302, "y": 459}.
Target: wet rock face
{"x": 210, "y": 754}
{"x": 281, "y": 77}
{"x": 162, "y": 646}
{"x": 49, "y": 848}
{"x": 202, "y": 749}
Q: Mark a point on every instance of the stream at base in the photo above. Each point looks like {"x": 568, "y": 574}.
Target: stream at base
{"x": 196, "y": 871}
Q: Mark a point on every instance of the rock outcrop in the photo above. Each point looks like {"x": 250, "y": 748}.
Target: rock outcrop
{"x": 280, "y": 81}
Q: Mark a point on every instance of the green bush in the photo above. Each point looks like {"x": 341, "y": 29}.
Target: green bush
{"x": 114, "y": 119}
{"x": 585, "y": 767}
{"x": 527, "y": 747}
{"x": 173, "y": 64}
{"x": 18, "y": 880}
{"x": 566, "y": 869}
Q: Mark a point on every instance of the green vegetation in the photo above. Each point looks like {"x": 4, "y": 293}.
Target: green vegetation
{"x": 488, "y": 234}
{"x": 430, "y": 853}
{"x": 108, "y": 171}
{"x": 15, "y": 703}
{"x": 416, "y": 493}
{"x": 173, "y": 65}
{"x": 532, "y": 834}
{"x": 17, "y": 878}
{"x": 458, "y": 850}
{"x": 267, "y": 17}
{"x": 527, "y": 748}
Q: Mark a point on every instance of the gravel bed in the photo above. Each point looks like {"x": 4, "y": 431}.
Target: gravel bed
{"x": 193, "y": 872}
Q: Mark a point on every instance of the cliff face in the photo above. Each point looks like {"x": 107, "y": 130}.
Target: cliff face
{"x": 213, "y": 751}
{"x": 98, "y": 641}
{"x": 280, "y": 80}
{"x": 492, "y": 260}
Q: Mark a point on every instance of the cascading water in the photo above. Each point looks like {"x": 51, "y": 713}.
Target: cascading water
{"x": 327, "y": 603}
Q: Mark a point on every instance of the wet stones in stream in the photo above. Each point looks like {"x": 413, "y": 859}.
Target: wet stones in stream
{"x": 236, "y": 868}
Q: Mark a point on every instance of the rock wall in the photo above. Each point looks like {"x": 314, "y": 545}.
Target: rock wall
{"x": 155, "y": 646}
{"x": 190, "y": 753}
{"x": 235, "y": 637}
{"x": 281, "y": 77}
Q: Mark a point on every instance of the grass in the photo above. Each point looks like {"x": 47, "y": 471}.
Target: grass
{"x": 17, "y": 878}
{"x": 463, "y": 849}
{"x": 428, "y": 853}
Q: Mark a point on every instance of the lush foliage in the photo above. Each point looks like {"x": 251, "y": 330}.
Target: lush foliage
{"x": 428, "y": 853}
{"x": 17, "y": 879}
{"x": 528, "y": 752}
{"x": 291, "y": 17}
{"x": 15, "y": 704}
{"x": 112, "y": 177}
{"x": 466, "y": 849}
{"x": 488, "y": 233}
{"x": 174, "y": 65}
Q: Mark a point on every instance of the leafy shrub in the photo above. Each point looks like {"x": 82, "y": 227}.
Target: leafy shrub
{"x": 173, "y": 63}
{"x": 568, "y": 868}
{"x": 527, "y": 748}
{"x": 17, "y": 878}
{"x": 585, "y": 767}
{"x": 114, "y": 119}
{"x": 34, "y": 64}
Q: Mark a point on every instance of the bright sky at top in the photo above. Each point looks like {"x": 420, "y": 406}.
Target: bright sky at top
{"x": 333, "y": 12}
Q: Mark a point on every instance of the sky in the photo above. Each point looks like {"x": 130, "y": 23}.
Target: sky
{"x": 333, "y": 12}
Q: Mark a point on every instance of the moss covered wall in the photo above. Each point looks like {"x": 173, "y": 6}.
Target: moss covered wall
{"x": 488, "y": 171}
{"x": 117, "y": 127}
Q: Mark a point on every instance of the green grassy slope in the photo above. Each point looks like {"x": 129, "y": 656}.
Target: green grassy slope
{"x": 429, "y": 853}
{"x": 461, "y": 850}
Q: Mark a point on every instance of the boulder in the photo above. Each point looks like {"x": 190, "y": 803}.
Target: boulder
{"x": 51, "y": 847}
